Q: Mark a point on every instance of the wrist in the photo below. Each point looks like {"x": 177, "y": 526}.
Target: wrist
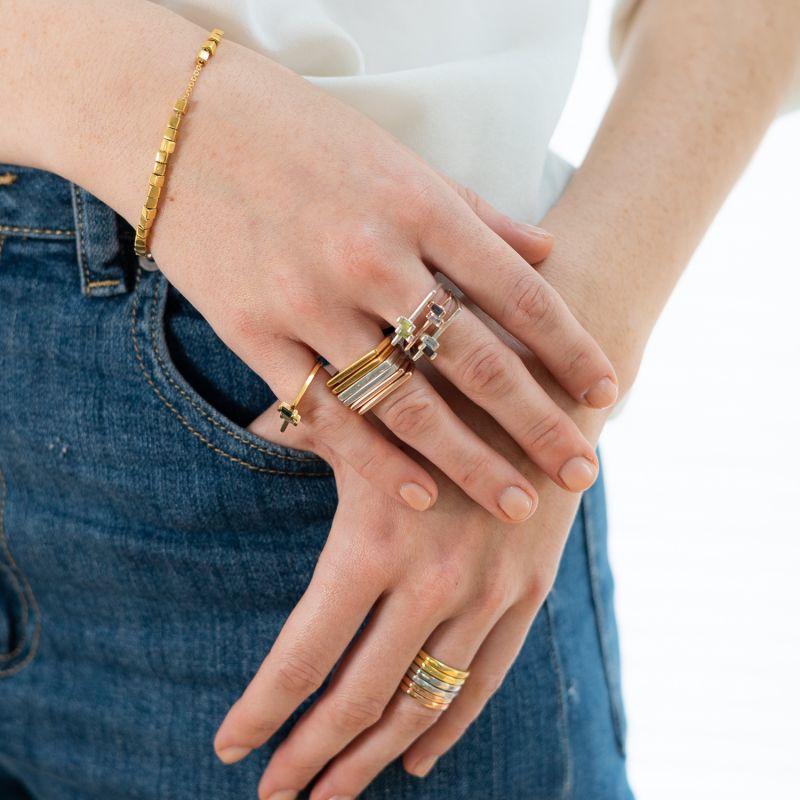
{"x": 599, "y": 281}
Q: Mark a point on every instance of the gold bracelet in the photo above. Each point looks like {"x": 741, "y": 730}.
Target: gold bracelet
{"x": 167, "y": 146}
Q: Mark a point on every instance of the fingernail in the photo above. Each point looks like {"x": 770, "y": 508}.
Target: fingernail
{"x": 532, "y": 230}
{"x": 516, "y": 503}
{"x": 424, "y": 766}
{"x": 229, "y": 755}
{"x": 602, "y": 395}
{"x": 341, "y": 797}
{"x": 416, "y": 496}
{"x": 284, "y": 794}
{"x": 578, "y": 473}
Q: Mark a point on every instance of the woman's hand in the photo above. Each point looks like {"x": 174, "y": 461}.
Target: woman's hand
{"x": 455, "y": 581}
{"x": 296, "y": 225}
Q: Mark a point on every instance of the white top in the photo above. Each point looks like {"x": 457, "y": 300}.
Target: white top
{"x": 475, "y": 87}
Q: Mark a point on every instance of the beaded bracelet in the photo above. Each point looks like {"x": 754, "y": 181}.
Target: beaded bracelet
{"x": 167, "y": 147}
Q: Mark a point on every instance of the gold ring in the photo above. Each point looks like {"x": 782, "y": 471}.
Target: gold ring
{"x": 288, "y": 412}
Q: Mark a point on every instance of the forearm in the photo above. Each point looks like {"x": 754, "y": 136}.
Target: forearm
{"x": 699, "y": 84}
{"x": 86, "y": 88}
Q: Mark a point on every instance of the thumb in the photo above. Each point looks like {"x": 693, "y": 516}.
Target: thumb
{"x": 531, "y": 242}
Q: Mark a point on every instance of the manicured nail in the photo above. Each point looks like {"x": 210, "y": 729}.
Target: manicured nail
{"x": 532, "y": 230}
{"x": 229, "y": 755}
{"x": 416, "y": 496}
{"x": 424, "y": 766}
{"x": 284, "y": 794}
{"x": 341, "y": 797}
{"x": 602, "y": 395}
{"x": 578, "y": 473}
{"x": 516, "y": 503}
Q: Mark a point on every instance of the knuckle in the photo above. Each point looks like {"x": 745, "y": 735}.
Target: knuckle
{"x": 532, "y": 303}
{"x": 356, "y": 713}
{"x": 326, "y": 422}
{"x": 544, "y": 433}
{"x": 415, "y": 718}
{"x": 413, "y": 415}
{"x": 577, "y": 362}
{"x": 471, "y": 198}
{"x": 493, "y": 594}
{"x": 363, "y": 255}
{"x": 298, "y": 674}
{"x": 487, "y": 371}
{"x": 536, "y": 589}
{"x": 485, "y": 684}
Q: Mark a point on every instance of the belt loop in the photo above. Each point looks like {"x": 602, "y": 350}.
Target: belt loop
{"x": 104, "y": 243}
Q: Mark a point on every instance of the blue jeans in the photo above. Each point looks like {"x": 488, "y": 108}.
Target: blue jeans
{"x": 151, "y": 549}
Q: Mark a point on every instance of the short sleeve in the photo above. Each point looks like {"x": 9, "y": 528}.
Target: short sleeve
{"x": 620, "y": 22}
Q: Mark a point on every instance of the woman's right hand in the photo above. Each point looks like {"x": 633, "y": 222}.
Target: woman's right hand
{"x": 298, "y": 226}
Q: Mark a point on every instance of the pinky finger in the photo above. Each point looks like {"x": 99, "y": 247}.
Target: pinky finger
{"x": 487, "y": 672}
{"x": 330, "y": 429}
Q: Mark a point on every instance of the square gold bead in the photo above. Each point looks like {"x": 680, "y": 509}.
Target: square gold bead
{"x": 151, "y": 203}
{"x": 174, "y": 121}
{"x": 154, "y": 193}
{"x": 162, "y": 156}
{"x": 144, "y": 223}
{"x": 166, "y": 146}
{"x": 156, "y": 180}
{"x": 203, "y": 55}
{"x": 159, "y": 168}
{"x": 141, "y": 232}
{"x": 180, "y": 105}
{"x": 148, "y": 214}
{"x": 170, "y": 134}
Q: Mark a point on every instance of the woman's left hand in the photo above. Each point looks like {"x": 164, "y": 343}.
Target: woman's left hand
{"x": 455, "y": 581}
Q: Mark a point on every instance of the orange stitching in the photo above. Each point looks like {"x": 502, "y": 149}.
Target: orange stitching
{"x": 184, "y": 421}
{"x": 224, "y": 428}
{"x": 28, "y": 591}
{"x": 96, "y": 284}
{"x": 47, "y": 231}
{"x": 7, "y": 178}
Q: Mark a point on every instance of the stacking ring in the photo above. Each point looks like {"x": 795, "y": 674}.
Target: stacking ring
{"x": 288, "y": 412}
{"x": 376, "y": 374}
{"x": 431, "y": 682}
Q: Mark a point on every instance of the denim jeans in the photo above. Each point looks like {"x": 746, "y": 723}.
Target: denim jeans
{"x": 151, "y": 549}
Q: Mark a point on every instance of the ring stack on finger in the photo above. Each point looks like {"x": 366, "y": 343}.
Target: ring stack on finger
{"x": 379, "y": 372}
{"x": 431, "y": 682}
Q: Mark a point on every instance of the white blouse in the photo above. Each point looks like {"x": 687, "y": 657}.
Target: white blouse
{"x": 475, "y": 87}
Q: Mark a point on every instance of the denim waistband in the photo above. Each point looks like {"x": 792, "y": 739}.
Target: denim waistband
{"x": 35, "y": 203}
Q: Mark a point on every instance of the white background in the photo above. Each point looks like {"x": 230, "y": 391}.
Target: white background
{"x": 703, "y": 473}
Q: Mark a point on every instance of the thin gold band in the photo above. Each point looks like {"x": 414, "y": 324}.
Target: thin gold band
{"x": 289, "y": 413}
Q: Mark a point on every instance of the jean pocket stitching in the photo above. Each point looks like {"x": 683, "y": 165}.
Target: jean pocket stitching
{"x": 26, "y": 231}
{"x": 186, "y": 423}
{"x": 24, "y": 591}
{"x": 614, "y": 689}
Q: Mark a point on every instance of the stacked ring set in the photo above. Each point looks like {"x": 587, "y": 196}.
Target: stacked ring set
{"x": 376, "y": 374}
{"x": 431, "y": 682}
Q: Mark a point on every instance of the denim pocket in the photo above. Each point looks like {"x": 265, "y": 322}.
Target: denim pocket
{"x": 204, "y": 384}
